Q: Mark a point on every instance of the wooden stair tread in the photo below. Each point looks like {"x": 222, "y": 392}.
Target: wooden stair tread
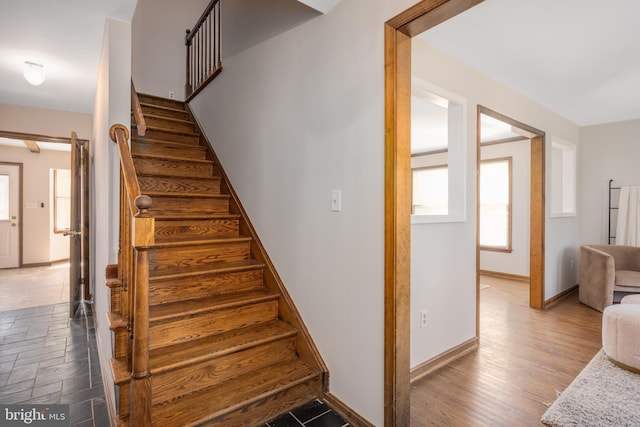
{"x": 165, "y": 359}
{"x": 152, "y": 141}
{"x": 196, "y": 178}
{"x": 186, "y": 308}
{"x": 214, "y": 268}
{"x": 168, "y": 130}
{"x": 114, "y": 283}
{"x": 144, "y": 95}
{"x": 169, "y": 119}
{"x": 196, "y": 217}
{"x": 194, "y": 241}
{"x": 162, "y": 107}
{"x": 177, "y": 159}
{"x": 185, "y": 217}
{"x": 115, "y": 321}
{"x": 233, "y": 394}
{"x": 153, "y": 194}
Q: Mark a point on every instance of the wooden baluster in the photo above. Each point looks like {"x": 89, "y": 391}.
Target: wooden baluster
{"x": 219, "y": 41}
{"x": 140, "y": 410}
{"x": 188, "y": 88}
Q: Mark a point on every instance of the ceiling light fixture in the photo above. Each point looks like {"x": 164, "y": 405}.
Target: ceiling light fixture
{"x": 34, "y": 73}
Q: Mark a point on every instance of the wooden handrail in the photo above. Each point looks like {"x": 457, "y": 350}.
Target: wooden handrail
{"x": 136, "y": 238}
{"x": 141, "y": 124}
{"x": 204, "y": 50}
{"x": 120, "y": 135}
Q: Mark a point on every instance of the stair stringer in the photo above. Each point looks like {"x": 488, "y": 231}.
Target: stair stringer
{"x": 287, "y": 311}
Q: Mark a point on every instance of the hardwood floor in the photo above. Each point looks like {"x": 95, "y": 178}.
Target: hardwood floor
{"x": 525, "y": 357}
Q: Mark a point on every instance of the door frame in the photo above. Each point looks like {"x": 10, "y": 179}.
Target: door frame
{"x": 397, "y": 68}
{"x": 20, "y": 167}
{"x": 536, "y": 210}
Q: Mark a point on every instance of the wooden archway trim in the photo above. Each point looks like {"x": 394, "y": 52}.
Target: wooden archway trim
{"x": 37, "y": 137}
{"x": 398, "y": 33}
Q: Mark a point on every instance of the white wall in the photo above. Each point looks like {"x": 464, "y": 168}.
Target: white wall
{"x": 42, "y": 121}
{"x": 37, "y": 231}
{"x": 607, "y": 151}
{"x": 112, "y": 105}
{"x": 517, "y": 261}
{"x": 443, "y": 255}
{"x": 292, "y": 119}
{"x": 158, "y": 50}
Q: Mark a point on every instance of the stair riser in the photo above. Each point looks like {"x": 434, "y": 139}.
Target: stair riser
{"x": 261, "y": 411}
{"x": 162, "y": 259}
{"x": 201, "y": 325}
{"x": 173, "y": 230}
{"x": 115, "y": 300}
{"x": 163, "y": 112}
{"x": 176, "y": 168}
{"x": 176, "y": 206}
{"x": 121, "y": 343}
{"x": 179, "y": 185}
{"x": 180, "y": 151}
{"x": 171, "y": 103}
{"x": 168, "y": 123}
{"x": 180, "y": 382}
{"x": 164, "y": 291}
{"x": 168, "y": 136}
{"x": 124, "y": 396}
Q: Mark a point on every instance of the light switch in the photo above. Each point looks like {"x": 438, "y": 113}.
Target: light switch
{"x": 336, "y": 200}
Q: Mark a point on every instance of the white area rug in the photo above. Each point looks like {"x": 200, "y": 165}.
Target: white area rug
{"x": 602, "y": 395}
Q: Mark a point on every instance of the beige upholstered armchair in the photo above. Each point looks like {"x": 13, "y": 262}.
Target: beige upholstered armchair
{"x": 608, "y": 273}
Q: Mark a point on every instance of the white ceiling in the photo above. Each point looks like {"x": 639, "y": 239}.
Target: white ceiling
{"x": 579, "y": 58}
{"x": 576, "y": 57}
{"x": 63, "y": 35}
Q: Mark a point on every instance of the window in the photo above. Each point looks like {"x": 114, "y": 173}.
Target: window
{"x": 61, "y": 200}
{"x": 4, "y": 197}
{"x": 563, "y": 178}
{"x": 430, "y": 191}
{"x": 495, "y": 204}
{"x": 438, "y": 144}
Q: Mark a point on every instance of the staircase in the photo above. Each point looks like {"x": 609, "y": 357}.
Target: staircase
{"x": 226, "y": 345}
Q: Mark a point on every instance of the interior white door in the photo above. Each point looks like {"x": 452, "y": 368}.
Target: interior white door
{"x": 9, "y": 216}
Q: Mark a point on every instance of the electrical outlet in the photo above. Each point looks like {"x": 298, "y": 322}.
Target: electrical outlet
{"x": 424, "y": 318}
{"x": 172, "y": 95}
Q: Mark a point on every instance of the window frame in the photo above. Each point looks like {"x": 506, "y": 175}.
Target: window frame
{"x": 456, "y": 152}
{"x": 57, "y": 230}
{"x": 421, "y": 168}
{"x": 509, "y": 247}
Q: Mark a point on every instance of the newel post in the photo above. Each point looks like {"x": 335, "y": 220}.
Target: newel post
{"x": 142, "y": 239}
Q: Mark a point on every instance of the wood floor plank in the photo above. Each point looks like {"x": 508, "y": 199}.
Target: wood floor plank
{"x": 525, "y": 357}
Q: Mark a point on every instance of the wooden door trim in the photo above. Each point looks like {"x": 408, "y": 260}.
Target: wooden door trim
{"x": 536, "y": 209}
{"x": 397, "y": 57}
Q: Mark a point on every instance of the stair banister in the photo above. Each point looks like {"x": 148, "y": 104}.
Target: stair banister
{"x": 204, "y": 50}
{"x": 138, "y": 117}
{"x": 138, "y": 238}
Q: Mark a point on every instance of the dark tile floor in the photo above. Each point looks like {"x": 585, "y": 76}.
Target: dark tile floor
{"x": 47, "y": 358}
{"x": 313, "y": 414}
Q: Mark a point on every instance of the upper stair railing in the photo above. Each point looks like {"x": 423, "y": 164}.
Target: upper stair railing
{"x": 204, "y": 50}
{"x": 138, "y": 117}
{"x": 136, "y": 237}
